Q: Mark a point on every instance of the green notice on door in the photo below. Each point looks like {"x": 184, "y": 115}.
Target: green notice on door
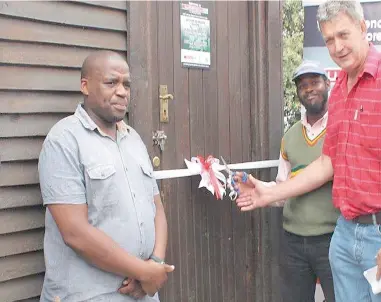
{"x": 195, "y": 35}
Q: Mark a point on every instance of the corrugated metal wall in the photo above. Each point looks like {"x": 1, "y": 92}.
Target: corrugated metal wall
{"x": 42, "y": 47}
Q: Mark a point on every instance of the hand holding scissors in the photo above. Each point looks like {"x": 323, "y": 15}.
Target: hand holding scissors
{"x": 230, "y": 181}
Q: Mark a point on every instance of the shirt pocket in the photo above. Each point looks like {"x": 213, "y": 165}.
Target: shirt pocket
{"x": 148, "y": 180}
{"x": 102, "y": 189}
{"x": 370, "y": 131}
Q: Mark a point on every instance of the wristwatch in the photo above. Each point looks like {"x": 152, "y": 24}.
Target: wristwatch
{"x": 157, "y": 259}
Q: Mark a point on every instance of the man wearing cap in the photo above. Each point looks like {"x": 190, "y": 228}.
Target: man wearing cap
{"x": 308, "y": 220}
{"x": 351, "y": 155}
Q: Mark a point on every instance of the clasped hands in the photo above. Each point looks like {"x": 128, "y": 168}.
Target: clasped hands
{"x": 153, "y": 280}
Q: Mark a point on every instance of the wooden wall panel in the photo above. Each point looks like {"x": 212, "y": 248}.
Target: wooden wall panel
{"x": 30, "y": 31}
{"x": 21, "y": 196}
{"x": 67, "y": 13}
{"x": 43, "y": 45}
{"x": 39, "y": 78}
{"x": 212, "y": 269}
{"x": 21, "y": 242}
{"x": 266, "y": 129}
{"x": 224, "y": 209}
{"x": 165, "y": 74}
{"x": 36, "y": 299}
{"x": 236, "y": 139}
{"x": 22, "y": 265}
{"x": 121, "y": 5}
{"x": 24, "y": 125}
{"x": 143, "y": 41}
{"x": 23, "y": 53}
{"x": 16, "y": 101}
{"x": 21, "y": 219}
{"x": 20, "y": 148}
{"x": 21, "y": 288}
{"x": 18, "y": 173}
{"x": 182, "y": 209}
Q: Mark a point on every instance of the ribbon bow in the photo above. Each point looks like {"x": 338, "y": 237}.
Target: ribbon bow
{"x": 211, "y": 178}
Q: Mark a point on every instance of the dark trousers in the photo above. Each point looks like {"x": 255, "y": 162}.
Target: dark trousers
{"x": 303, "y": 260}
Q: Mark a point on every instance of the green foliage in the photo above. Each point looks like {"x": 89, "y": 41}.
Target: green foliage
{"x": 293, "y": 16}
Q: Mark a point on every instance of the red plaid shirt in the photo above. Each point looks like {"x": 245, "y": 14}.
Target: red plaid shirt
{"x": 353, "y": 140}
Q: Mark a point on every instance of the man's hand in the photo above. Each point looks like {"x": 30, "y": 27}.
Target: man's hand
{"x": 244, "y": 186}
{"x": 155, "y": 276}
{"x": 252, "y": 193}
{"x": 378, "y": 276}
{"x": 132, "y": 288}
{"x": 240, "y": 179}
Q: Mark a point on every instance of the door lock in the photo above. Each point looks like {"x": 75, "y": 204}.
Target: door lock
{"x": 159, "y": 138}
{"x": 156, "y": 162}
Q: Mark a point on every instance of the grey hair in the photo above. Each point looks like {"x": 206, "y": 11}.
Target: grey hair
{"x": 331, "y": 8}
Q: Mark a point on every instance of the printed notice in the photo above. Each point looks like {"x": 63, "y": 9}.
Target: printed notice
{"x": 195, "y": 35}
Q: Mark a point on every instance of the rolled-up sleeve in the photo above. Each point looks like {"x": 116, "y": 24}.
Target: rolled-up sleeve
{"x": 61, "y": 177}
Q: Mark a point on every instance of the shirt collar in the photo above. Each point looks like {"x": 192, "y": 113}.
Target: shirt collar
{"x": 88, "y": 123}
{"x": 322, "y": 120}
{"x": 123, "y": 127}
{"x": 369, "y": 67}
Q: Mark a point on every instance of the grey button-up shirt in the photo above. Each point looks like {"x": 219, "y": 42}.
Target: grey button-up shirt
{"x": 79, "y": 164}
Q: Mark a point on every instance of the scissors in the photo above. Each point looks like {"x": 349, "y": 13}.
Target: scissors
{"x": 230, "y": 181}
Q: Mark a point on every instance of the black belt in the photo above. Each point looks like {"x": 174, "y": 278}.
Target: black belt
{"x": 369, "y": 218}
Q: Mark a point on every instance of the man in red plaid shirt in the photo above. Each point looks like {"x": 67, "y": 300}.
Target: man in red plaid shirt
{"x": 351, "y": 154}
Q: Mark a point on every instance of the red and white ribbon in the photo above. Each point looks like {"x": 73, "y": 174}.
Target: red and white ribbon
{"x": 176, "y": 173}
{"x": 211, "y": 178}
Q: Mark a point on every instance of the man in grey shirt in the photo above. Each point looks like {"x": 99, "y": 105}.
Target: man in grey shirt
{"x": 105, "y": 225}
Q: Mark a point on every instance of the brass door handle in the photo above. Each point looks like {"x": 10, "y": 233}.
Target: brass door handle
{"x": 166, "y": 96}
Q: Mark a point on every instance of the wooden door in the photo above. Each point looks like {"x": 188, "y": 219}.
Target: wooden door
{"x": 223, "y": 110}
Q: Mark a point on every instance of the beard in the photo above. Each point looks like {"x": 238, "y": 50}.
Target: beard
{"x": 115, "y": 118}
{"x": 317, "y": 108}
{"x": 108, "y": 117}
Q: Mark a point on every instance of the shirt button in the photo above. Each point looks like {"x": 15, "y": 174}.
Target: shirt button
{"x": 141, "y": 254}
{"x": 142, "y": 223}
